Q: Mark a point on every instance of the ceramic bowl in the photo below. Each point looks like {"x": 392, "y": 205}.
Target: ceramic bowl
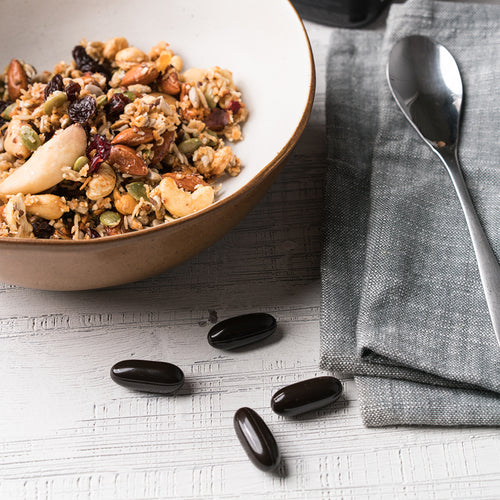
{"x": 266, "y": 47}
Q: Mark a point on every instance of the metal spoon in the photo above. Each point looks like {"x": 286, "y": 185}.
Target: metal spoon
{"x": 426, "y": 83}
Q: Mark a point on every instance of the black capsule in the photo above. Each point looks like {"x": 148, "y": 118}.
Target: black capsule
{"x": 256, "y": 439}
{"x": 241, "y": 330}
{"x": 306, "y": 395}
{"x": 148, "y": 376}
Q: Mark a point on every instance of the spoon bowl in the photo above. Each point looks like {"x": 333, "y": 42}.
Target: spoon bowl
{"x": 426, "y": 84}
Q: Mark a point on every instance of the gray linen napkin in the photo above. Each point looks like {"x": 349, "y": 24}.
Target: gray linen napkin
{"x": 402, "y": 304}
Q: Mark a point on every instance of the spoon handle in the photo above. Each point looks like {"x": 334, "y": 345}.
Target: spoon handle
{"x": 489, "y": 270}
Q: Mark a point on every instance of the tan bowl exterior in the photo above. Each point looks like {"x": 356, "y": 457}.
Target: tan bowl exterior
{"x": 120, "y": 259}
{"x": 115, "y": 260}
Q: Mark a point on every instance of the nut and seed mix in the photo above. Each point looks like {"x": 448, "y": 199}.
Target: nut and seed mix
{"x": 116, "y": 141}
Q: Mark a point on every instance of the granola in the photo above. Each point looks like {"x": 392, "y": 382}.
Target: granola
{"x": 115, "y": 141}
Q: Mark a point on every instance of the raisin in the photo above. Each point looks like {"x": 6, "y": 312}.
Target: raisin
{"x": 92, "y": 233}
{"x": 83, "y": 110}
{"x": 42, "y": 229}
{"x": 55, "y": 83}
{"x": 3, "y": 105}
{"x": 70, "y": 190}
{"x": 72, "y": 91}
{"x": 86, "y": 63}
{"x": 115, "y": 106}
{"x": 217, "y": 120}
{"x": 102, "y": 148}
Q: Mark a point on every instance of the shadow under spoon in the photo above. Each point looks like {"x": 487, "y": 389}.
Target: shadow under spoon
{"x": 425, "y": 81}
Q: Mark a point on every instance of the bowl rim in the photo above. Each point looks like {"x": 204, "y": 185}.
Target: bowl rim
{"x": 253, "y": 182}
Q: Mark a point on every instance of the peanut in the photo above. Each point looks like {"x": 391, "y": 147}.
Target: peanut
{"x": 124, "y": 203}
{"x": 102, "y": 182}
{"x": 129, "y": 57}
{"x": 194, "y": 75}
{"x": 47, "y": 206}
{"x": 176, "y": 62}
{"x": 13, "y": 143}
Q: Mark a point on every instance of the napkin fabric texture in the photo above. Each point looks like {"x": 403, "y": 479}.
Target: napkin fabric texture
{"x": 403, "y": 308}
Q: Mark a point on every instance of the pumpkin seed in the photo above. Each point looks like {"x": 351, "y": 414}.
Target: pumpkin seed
{"x": 55, "y": 100}
{"x": 29, "y": 138}
{"x": 80, "y": 162}
{"x": 137, "y": 190}
{"x": 210, "y": 98}
{"x": 101, "y": 100}
{"x": 6, "y": 112}
{"x": 214, "y": 139}
{"x": 130, "y": 95}
{"x": 110, "y": 219}
{"x": 189, "y": 145}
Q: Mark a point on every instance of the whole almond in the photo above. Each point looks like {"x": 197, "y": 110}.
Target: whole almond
{"x": 161, "y": 150}
{"x": 170, "y": 84}
{"x": 141, "y": 74}
{"x": 134, "y": 136}
{"x": 17, "y": 79}
{"x": 188, "y": 182}
{"x": 126, "y": 160}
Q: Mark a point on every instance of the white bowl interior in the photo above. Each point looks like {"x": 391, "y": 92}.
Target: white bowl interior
{"x": 262, "y": 42}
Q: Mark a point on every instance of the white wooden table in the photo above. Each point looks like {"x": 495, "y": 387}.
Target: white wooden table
{"x": 68, "y": 432}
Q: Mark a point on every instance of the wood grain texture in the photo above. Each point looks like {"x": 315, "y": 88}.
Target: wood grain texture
{"x": 68, "y": 432}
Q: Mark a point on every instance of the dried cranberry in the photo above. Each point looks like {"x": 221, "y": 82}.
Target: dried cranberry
{"x": 55, "y": 83}
{"x": 83, "y": 110}
{"x": 86, "y": 63}
{"x": 234, "y": 107}
{"x": 217, "y": 120}
{"x": 115, "y": 106}
{"x": 42, "y": 229}
{"x": 72, "y": 91}
{"x": 102, "y": 148}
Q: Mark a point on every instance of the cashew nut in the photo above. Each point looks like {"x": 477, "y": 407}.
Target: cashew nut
{"x": 124, "y": 203}
{"x": 179, "y": 202}
{"x": 15, "y": 216}
{"x": 47, "y": 206}
{"x": 45, "y": 167}
{"x": 102, "y": 183}
{"x": 12, "y": 142}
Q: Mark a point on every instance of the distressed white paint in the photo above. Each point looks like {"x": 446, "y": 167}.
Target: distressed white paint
{"x": 68, "y": 432}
